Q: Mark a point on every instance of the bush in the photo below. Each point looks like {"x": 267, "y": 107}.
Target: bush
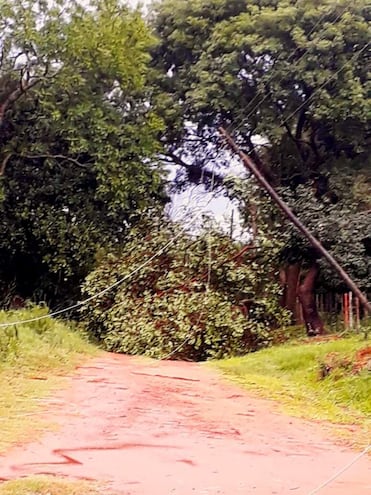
{"x": 180, "y": 305}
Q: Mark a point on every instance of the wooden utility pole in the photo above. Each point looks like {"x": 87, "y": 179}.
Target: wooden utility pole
{"x": 250, "y": 165}
{"x": 231, "y": 228}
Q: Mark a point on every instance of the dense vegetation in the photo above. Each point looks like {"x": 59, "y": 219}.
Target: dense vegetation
{"x": 290, "y": 80}
{"x": 76, "y": 136}
{"x": 205, "y": 297}
{"x": 98, "y": 102}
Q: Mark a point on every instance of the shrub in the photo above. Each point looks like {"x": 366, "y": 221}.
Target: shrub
{"x": 199, "y": 300}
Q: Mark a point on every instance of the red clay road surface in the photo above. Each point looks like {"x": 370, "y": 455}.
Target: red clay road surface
{"x": 164, "y": 428}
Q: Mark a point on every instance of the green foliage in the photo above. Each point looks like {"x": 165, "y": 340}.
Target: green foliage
{"x": 289, "y": 81}
{"x": 252, "y": 64}
{"x": 9, "y": 343}
{"x": 169, "y": 307}
{"x": 343, "y": 228}
{"x": 77, "y": 139}
{"x": 341, "y": 225}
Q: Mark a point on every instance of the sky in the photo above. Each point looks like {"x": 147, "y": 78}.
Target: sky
{"x": 188, "y": 204}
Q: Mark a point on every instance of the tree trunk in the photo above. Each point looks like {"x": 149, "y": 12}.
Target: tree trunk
{"x": 283, "y": 279}
{"x": 289, "y": 278}
{"x": 292, "y": 281}
{"x": 312, "y": 319}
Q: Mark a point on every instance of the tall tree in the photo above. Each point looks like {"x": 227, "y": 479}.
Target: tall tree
{"x": 293, "y": 73}
{"x": 77, "y": 138}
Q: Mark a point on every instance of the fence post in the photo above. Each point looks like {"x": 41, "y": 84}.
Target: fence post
{"x": 350, "y": 299}
{"x": 346, "y": 310}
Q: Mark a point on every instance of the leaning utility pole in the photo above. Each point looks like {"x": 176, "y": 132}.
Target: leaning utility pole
{"x": 250, "y": 165}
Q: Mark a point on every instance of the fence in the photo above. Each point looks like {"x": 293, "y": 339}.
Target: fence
{"x": 345, "y": 305}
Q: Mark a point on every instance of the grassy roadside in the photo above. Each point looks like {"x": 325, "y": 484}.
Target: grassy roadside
{"x": 34, "y": 358}
{"x": 316, "y": 380}
{"x": 42, "y": 485}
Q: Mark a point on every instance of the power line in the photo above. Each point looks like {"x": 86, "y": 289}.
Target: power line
{"x": 339, "y": 473}
{"x": 250, "y": 165}
{"x": 285, "y": 122}
{"x": 291, "y": 56}
{"x": 120, "y": 281}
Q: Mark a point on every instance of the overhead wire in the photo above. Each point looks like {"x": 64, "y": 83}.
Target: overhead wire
{"x": 335, "y": 74}
{"x": 297, "y": 109}
{"x": 288, "y": 59}
{"x": 120, "y": 281}
{"x": 195, "y": 193}
{"x": 200, "y": 211}
{"x": 341, "y": 471}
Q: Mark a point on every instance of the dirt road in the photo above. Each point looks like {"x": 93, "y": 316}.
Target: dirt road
{"x": 163, "y": 428}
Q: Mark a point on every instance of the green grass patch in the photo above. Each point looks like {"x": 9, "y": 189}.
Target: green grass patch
{"x": 43, "y": 485}
{"x": 292, "y": 374}
{"x": 34, "y": 359}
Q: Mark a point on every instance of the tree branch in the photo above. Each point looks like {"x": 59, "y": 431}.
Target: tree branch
{"x": 198, "y": 171}
{"x": 56, "y": 157}
{"x": 300, "y": 124}
{"x": 298, "y": 133}
{"x": 24, "y": 86}
{"x": 4, "y": 164}
{"x": 10, "y": 99}
{"x": 261, "y": 165}
{"x": 199, "y": 278}
{"x": 285, "y": 124}
{"x": 26, "y": 82}
{"x": 313, "y": 144}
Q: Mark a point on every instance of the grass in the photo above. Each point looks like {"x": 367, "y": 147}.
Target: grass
{"x": 34, "y": 358}
{"x": 291, "y": 375}
{"x": 43, "y": 485}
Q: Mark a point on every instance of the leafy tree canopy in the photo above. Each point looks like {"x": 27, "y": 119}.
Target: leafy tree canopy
{"x": 77, "y": 138}
{"x": 290, "y": 80}
{"x": 343, "y": 227}
{"x": 292, "y": 72}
